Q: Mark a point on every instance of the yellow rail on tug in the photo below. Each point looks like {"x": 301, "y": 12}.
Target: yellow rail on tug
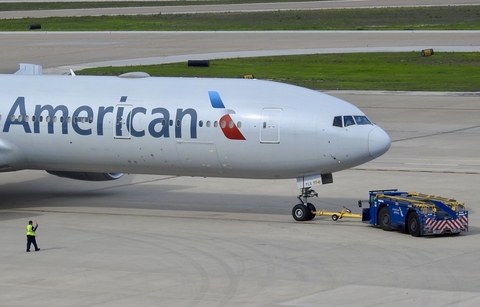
{"x": 347, "y": 213}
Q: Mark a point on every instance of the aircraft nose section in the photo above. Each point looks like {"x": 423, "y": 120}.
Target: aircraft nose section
{"x": 378, "y": 142}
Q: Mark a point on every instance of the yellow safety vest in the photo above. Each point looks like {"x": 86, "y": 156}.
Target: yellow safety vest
{"x": 30, "y": 231}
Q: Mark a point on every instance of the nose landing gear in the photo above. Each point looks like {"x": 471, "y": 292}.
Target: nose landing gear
{"x": 305, "y": 211}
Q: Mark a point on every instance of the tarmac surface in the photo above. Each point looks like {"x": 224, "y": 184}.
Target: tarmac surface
{"x": 58, "y": 52}
{"x": 181, "y": 241}
{"x": 219, "y": 8}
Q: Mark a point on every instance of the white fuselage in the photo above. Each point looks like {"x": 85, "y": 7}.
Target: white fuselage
{"x": 181, "y": 126}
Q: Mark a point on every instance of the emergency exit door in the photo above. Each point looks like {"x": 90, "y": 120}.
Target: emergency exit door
{"x": 270, "y": 126}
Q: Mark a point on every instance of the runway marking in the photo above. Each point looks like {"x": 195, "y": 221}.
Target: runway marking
{"x": 413, "y": 171}
{"x": 436, "y": 134}
{"x": 433, "y": 164}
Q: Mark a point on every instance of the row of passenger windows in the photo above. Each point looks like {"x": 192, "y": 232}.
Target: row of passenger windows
{"x": 77, "y": 119}
{"x": 223, "y": 124}
{"x": 349, "y": 120}
{"x": 69, "y": 119}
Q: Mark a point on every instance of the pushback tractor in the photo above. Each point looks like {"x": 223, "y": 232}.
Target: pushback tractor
{"x": 416, "y": 213}
{"x": 411, "y": 212}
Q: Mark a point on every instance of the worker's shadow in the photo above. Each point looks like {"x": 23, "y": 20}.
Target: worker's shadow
{"x": 42, "y": 249}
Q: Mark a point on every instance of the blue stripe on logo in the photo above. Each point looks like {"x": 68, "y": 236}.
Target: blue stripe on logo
{"x": 215, "y": 100}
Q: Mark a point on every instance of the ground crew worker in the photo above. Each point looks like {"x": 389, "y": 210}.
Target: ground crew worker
{"x": 31, "y": 235}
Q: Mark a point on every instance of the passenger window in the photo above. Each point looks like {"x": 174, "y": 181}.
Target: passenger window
{"x": 348, "y": 121}
{"x": 362, "y": 120}
{"x": 337, "y": 121}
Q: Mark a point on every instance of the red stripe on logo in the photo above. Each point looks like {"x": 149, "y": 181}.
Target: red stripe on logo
{"x": 230, "y": 129}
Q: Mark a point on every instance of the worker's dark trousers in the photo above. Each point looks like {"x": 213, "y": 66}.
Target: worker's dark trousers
{"x": 31, "y": 240}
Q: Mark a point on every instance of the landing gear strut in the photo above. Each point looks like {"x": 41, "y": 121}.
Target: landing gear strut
{"x": 304, "y": 210}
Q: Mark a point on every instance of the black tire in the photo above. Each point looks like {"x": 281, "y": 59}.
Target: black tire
{"x": 335, "y": 217}
{"x": 310, "y": 215}
{"x": 413, "y": 224}
{"x": 300, "y": 213}
{"x": 384, "y": 219}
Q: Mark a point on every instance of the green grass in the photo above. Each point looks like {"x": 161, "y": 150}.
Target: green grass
{"x": 360, "y": 71}
{"x": 32, "y": 6}
{"x": 416, "y": 18}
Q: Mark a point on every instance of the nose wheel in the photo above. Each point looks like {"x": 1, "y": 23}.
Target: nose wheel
{"x": 304, "y": 210}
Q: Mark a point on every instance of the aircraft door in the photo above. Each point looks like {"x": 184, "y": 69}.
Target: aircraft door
{"x": 270, "y": 126}
{"x": 123, "y": 121}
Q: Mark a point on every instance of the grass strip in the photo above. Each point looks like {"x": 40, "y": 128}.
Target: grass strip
{"x": 403, "y": 71}
{"x": 412, "y": 18}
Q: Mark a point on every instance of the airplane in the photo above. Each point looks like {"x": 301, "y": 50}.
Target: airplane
{"x": 97, "y": 128}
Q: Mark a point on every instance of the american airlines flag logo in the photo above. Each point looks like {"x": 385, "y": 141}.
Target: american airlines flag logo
{"x": 228, "y": 126}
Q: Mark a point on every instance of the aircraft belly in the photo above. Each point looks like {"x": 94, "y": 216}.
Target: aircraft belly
{"x": 11, "y": 157}
{"x": 199, "y": 157}
{"x": 274, "y": 161}
{"x": 102, "y": 154}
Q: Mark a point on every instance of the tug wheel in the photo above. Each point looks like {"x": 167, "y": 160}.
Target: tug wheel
{"x": 384, "y": 219}
{"x": 413, "y": 224}
{"x": 334, "y": 217}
